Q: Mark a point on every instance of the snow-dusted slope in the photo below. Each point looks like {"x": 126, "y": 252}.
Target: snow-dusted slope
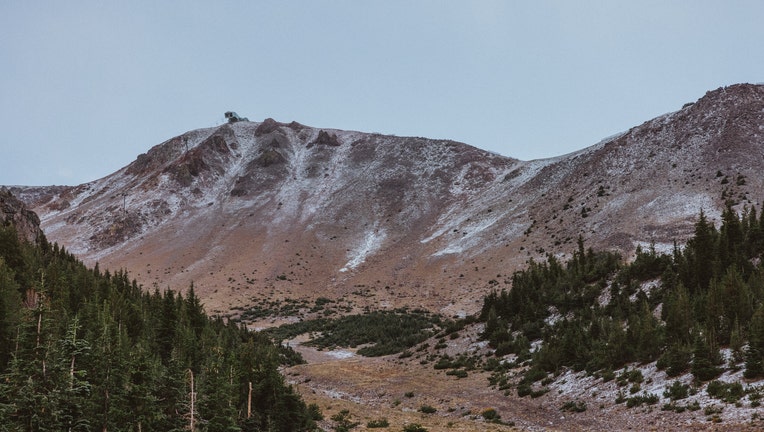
{"x": 251, "y": 209}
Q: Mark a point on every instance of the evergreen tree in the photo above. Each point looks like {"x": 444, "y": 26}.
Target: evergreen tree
{"x": 218, "y": 385}
{"x": 645, "y": 333}
{"x": 11, "y": 251}
{"x": 705, "y": 358}
{"x": 731, "y": 238}
{"x": 10, "y": 299}
{"x": 700, "y": 254}
{"x": 754, "y": 356}
{"x": 677, "y": 313}
{"x": 75, "y": 394}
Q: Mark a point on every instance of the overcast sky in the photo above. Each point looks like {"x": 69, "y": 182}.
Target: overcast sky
{"x": 86, "y": 86}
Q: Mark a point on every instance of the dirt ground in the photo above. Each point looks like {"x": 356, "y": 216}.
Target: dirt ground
{"x": 395, "y": 389}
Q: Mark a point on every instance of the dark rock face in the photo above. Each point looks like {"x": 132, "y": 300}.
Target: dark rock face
{"x": 267, "y": 126}
{"x": 324, "y": 138}
{"x": 14, "y": 212}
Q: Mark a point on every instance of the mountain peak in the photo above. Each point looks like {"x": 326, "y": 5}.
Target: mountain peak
{"x": 284, "y": 208}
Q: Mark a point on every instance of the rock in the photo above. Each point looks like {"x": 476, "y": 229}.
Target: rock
{"x": 14, "y": 212}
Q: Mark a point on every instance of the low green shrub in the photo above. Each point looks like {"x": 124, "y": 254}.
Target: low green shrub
{"x": 428, "y": 409}
{"x": 381, "y": 423}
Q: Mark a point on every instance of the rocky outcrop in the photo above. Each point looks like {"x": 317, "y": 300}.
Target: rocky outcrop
{"x": 325, "y": 138}
{"x": 14, "y": 212}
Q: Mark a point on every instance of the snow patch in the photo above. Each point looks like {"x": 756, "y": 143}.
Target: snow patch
{"x": 341, "y": 354}
{"x": 660, "y": 248}
{"x": 677, "y": 206}
{"x": 371, "y": 243}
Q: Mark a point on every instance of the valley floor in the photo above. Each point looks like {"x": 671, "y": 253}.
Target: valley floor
{"x": 396, "y": 389}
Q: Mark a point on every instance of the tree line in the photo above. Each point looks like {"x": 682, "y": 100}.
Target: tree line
{"x": 597, "y": 313}
{"x": 86, "y": 350}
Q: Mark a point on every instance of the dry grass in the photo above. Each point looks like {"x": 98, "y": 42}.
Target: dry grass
{"x": 395, "y": 389}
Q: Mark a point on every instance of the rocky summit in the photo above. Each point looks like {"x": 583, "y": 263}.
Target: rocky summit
{"x": 281, "y": 209}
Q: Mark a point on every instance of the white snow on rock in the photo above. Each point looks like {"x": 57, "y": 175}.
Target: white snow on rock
{"x": 371, "y": 243}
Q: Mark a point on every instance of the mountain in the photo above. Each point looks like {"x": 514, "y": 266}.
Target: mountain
{"x": 247, "y": 210}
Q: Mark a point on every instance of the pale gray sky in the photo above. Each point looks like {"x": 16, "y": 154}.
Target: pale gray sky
{"x": 86, "y": 86}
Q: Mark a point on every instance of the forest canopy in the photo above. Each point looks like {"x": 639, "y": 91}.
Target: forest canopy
{"x": 84, "y": 350}
{"x": 597, "y": 313}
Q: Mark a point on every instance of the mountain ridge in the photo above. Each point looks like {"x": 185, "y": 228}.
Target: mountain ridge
{"x": 281, "y": 209}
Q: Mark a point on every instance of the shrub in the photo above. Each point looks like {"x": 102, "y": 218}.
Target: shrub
{"x": 459, "y": 373}
{"x": 634, "y": 376}
{"x": 712, "y": 409}
{"x": 428, "y": 409}
{"x": 620, "y": 397}
{"x": 677, "y": 391}
{"x": 636, "y": 401}
{"x": 414, "y": 427}
{"x": 534, "y": 374}
{"x": 490, "y": 414}
{"x": 571, "y": 406}
{"x": 727, "y": 392}
{"x": 381, "y": 423}
{"x": 444, "y": 363}
{"x": 607, "y": 375}
{"x": 674, "y": 407}
{"x": 343, "y": 421}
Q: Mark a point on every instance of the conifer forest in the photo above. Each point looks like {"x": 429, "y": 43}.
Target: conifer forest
{"x": 85, "y": 350}
{"x": 596, "y": 313}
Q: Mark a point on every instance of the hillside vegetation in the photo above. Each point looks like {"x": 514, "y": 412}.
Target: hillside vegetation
{"x": 699, "y": 310}
{"x": 83, "y": 350}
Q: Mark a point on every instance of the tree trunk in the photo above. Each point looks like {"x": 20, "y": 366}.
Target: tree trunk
{"x": 193, "y": 402}
{"x": 249, "y": 401}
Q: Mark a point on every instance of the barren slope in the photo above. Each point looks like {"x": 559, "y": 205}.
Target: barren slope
{"x": 248, "y": 210}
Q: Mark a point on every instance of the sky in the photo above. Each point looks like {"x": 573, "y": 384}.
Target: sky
{"x": 87, "y": 86}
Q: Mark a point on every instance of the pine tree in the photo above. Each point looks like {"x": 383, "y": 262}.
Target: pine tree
{"x": 676, "y": 359}
{"x": 677, "y": 313}
{"x": 167, "y": 326}
{"x": 705, "y": 357}
{"x": 75, "y": 393}
{"x": 10, "y": 302}
{"x": 731, "y": 238}
{"x": 35, "y": 375}
{"x": 645, "y": 332}
{"x": 754, "y": 356}
{"x": 737, "y": 302}
{"x": 700, "y": 252}
{"x": 218, "y": 395}
{"x": 11, "y": 250}
{"x": 142, "y": 391}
